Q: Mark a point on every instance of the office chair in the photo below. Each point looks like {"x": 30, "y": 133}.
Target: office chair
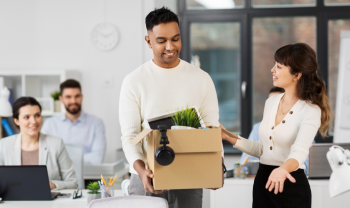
{"x": 130, "y": 201}
{"x": 76, "y": 154}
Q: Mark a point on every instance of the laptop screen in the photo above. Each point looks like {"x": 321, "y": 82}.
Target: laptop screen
{"x": 24, "y": 183}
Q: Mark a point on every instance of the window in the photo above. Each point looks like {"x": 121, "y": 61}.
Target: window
{"x": 336, "y": 2}
{"x": 269, "y": 34}
{"x": 241, "y": 72}
{"x": 334, "y": 28}
{"x": 283, "y": 3}
{"x": 214, "y": 4}
{"x": 215, "y": 48}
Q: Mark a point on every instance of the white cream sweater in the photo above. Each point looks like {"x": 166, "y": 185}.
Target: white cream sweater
{"x": 291, "y": 138}
{"x": 150, "y": 91}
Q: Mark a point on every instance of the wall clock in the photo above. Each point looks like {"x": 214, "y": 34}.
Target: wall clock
{"x": 105, "y": 36}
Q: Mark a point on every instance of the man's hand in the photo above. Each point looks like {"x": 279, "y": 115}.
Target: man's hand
{"x": 146, "y": 177}
{"x": 223, "y": 179}
{"x": 52, "y": 185}
{"x": 223, "y": 176}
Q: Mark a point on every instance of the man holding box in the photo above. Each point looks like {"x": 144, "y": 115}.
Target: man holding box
{"x": 159, "y": 86}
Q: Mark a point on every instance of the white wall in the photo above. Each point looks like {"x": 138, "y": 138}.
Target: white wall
{"x": 46, "y": 34}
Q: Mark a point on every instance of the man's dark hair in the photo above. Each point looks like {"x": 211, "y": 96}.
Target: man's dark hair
{"x": 159, "y": 16}
{"x": 276, "y": 89}
{"x": 69, "y": 83}
{"x": 21, "y": 102}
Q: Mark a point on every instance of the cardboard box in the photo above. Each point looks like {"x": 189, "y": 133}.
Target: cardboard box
{"x": 198, "y": 158}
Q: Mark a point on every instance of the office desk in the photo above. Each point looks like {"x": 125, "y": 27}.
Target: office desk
{"x": 56, "y": 203}
{"x": 120, "y": 173}
{"x": 239, "y": 193}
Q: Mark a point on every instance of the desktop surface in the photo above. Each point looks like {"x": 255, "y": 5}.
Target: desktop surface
{"x": 56, "y": 203}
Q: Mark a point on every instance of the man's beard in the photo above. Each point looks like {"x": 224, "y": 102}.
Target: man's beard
{"x": 75, "y": 111}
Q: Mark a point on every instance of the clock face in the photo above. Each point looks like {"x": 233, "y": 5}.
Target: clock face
{"x": 105, "y": 36}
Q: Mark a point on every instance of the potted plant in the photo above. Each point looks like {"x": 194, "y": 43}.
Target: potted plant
{"x": 188, "y": 118}
{"x": 57, "y": 104}
{"x": 93, "y": 191}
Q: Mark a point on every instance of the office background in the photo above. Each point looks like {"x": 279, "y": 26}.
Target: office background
{"x": 51, "y": 35}
{"x": 234, "y": 43}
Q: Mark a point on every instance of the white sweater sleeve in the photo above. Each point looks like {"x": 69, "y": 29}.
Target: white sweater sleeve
{"x": 252, "y": 148}
{"x": 130, "y": 122}
{"x": 309, "y": 125}
{"x": 210, "y": 106}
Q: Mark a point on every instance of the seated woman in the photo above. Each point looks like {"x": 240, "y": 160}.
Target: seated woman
{"x": 30, "y": 147}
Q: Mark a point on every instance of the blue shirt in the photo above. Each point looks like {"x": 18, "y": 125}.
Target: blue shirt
{"x": 87, "y": 131}
{"x": 254, "y": 136}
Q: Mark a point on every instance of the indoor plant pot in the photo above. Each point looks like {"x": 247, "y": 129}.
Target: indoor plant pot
{"x": 181, "y": 127}
{"x": 93, "y": 192}
{"x": 93, "y": 197}
{"x": 57, "y": 104}
{"x": 188, "y": 118}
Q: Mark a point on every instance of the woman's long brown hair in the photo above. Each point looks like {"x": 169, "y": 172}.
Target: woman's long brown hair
{"x": 301, "y": 58}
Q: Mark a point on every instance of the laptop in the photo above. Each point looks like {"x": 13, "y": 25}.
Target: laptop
{"x": 25, "y": 183}
{"x": 319, "y": 167}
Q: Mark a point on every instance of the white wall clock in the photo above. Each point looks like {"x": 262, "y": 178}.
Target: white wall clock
{"x": 105, "y": 36}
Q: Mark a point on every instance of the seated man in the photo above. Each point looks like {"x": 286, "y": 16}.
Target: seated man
{"x": 254, "y": 134}
{"x": 76, "y": 126}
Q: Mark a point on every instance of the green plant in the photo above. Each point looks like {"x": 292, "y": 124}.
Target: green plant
{"x": 93, "y": 187}
{"x": 187, "y": 117}
{"x": 55, "y": 95}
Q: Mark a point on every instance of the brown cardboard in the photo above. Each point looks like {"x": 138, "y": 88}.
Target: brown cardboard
{"x": 198, "y": 158}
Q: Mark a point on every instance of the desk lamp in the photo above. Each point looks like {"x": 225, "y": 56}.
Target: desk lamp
{"x": 339, "y": 160}
{"x": 5, "y": 106}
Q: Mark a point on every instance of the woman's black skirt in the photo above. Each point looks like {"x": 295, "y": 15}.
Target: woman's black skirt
{"x": 296, "y": 195}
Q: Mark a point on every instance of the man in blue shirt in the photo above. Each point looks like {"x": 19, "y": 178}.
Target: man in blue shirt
{"x": 254, "y": 134}
{"x": 77, "y": 127}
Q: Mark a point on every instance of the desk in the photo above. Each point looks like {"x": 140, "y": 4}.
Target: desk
{"x": 56, "y": 203}
{"x": 120, "y": 173}
{"x": 239, "y": 192}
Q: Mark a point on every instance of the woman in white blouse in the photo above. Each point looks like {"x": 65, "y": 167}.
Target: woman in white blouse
{"x": 290, "y": 123}
{"x": 31, "y": 147}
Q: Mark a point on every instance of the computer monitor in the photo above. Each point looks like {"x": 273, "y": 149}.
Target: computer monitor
{"x": 25, "y": 183}
{"x": 319, "y": 167}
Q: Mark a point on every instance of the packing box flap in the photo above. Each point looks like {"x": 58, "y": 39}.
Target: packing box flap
{"x": 140, "y": 136}
{"x": 191, "y": 140}
{"x": 145, "y": 132}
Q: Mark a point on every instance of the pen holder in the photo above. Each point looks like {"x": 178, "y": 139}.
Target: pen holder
{"x": 107, "y": 191}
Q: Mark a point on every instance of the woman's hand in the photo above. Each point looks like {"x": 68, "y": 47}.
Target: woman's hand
{"x": 52, "y": 185}
{"x": 277, "y": 178}
{"x": 226, "y": 137}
